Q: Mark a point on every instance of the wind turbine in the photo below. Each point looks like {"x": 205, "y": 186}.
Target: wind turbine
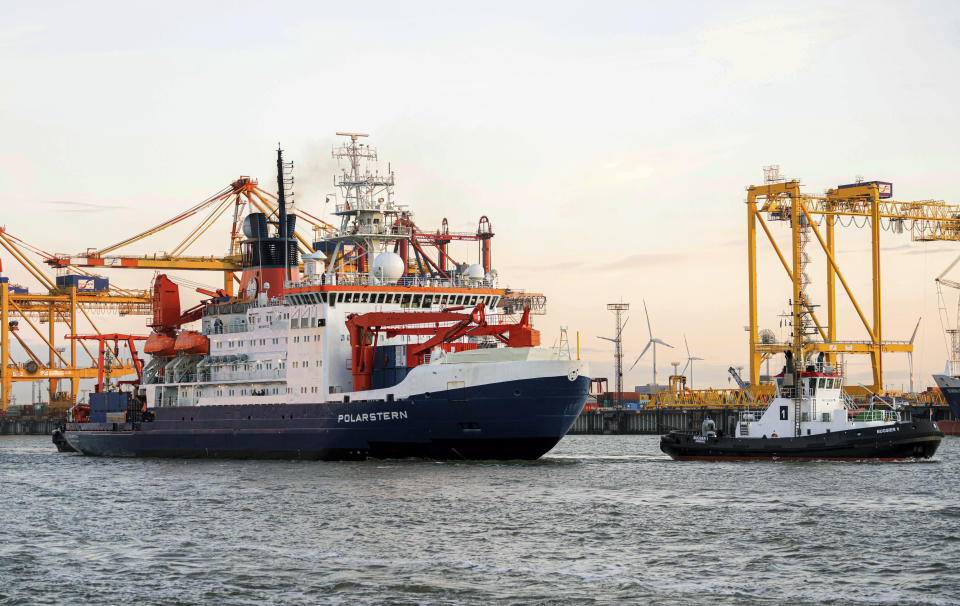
{"x": 654, "y": 342}
{"x": 690, "y": 360}
{"x": 910, "y": 353}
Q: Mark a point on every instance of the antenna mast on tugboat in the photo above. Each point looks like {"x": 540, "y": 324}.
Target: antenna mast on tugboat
{"x": 801, "y": 305}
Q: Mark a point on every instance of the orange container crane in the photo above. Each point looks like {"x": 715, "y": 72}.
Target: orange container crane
{"x": 244, "y": 193}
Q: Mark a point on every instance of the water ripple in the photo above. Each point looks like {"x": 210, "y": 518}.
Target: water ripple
{"x": 601, "y": 520}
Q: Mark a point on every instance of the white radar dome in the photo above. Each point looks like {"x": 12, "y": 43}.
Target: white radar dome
{"x": 314, "y": 263}
{"x": 474, "y": 272}
{"x": 388, "y": 266}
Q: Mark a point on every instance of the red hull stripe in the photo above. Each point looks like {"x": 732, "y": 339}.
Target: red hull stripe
{"x": 950, "y": 428}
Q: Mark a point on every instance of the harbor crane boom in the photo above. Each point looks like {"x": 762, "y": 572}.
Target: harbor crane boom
{"x": 782, "y": 200}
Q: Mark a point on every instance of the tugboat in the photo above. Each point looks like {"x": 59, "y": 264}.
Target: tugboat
{"x": 809, "y": 420}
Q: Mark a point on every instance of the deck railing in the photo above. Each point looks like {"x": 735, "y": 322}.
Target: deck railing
{"x": 365, "y": 279}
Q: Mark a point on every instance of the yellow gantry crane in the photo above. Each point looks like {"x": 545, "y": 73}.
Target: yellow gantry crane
{"x": 244, "y": 193}
{"x": 781, "y": 200}
{"x": 60, "y": 305}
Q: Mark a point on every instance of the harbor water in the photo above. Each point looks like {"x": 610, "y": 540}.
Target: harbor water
{"x": 599, "y": 520}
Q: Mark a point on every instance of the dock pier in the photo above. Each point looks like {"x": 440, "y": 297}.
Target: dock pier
{"x": 29, "y": 426}
{"x": 652, "y": 420}
{"x": 663, "y": 420}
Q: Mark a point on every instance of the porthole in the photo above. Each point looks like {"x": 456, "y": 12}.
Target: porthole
{"x": 427, "y": 395}
{"x": 516, "y": 392}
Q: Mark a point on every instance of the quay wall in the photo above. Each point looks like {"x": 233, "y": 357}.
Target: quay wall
{"x": 29, "y": 427}
{"x": 664, "y": 420}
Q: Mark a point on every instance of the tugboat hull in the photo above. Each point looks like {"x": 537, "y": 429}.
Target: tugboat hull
{"x": 895, "y": 442}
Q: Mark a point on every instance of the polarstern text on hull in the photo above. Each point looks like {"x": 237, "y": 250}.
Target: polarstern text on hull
{"x": 383, "y": 415}
{"x": 386, "y": 345}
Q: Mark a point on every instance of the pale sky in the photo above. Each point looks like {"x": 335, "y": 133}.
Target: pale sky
{"x": 609, "y": 143}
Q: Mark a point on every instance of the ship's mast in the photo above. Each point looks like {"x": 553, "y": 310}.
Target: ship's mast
{"x": 800, "y": 304}
{"x": 282, "y": 213}
{"x": 368, "y": 214}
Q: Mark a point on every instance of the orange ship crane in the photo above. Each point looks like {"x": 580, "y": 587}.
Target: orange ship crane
{"x": 364, "y": 330}
{"x": 103, "y": 340}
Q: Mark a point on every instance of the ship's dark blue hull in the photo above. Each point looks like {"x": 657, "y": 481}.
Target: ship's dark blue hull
{"x": 510, "y": 420}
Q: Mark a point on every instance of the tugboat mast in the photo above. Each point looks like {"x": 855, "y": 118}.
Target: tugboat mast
{"x": 801, "y": 306}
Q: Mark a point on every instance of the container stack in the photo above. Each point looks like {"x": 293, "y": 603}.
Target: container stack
{"x": 108, "y": 407}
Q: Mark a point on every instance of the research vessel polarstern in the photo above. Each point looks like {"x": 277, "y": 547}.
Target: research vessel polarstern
{"x": 377, "y": 350}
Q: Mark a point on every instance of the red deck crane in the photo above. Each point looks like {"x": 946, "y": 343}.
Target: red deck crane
{"x": 364, "y": 330}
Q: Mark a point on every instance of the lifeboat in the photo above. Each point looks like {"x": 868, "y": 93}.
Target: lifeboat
{"x": 159, "y": 345}
{"x": 192, "y": 343}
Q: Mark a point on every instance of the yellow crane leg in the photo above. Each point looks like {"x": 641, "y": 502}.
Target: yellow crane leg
{"x": 877, "y": 328}
{"x": 752, "y": 286}
{"x": 74, "y": 382}
{"x": 831, "y": 287}
{"x": 4, "y": 346}
{"x": 53, "y": 383}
